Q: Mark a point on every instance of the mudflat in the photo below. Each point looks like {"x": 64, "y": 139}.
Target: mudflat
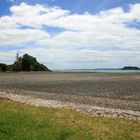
{"x": 114, "y": 90}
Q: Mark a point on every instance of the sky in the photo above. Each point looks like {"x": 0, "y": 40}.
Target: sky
{"x": 71, "y": 34}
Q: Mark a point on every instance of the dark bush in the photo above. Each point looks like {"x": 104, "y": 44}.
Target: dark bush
{"x": 3, "y": 67}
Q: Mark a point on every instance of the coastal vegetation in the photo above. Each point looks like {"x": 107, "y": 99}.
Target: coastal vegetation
{"x": 21, "y": 121}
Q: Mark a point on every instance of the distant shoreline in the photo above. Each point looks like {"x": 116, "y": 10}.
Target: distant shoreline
{"x": 96, "y": 70}
{"x": 76, "y": 71}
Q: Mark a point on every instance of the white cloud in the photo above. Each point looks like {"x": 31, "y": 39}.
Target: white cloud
{"x": 17, "y": 36}
{"x": 61, "y": 58}
{"x": 7, "y": 57}
{"x": 105, "y": 30}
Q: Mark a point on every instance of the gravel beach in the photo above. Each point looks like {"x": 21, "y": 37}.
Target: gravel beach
{"x": 113, "y": 90}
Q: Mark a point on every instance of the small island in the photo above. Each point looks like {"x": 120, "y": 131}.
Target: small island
{"x": 130, "y": 68}
{"x": 24, "y": 63}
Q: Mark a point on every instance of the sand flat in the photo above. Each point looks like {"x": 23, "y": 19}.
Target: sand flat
{"x": 115, "y": 90}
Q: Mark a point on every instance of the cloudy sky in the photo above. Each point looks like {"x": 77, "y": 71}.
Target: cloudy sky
{"x": 71, "y": 34}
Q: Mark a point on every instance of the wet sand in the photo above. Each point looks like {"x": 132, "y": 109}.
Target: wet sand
{"x": 113, "y": 90}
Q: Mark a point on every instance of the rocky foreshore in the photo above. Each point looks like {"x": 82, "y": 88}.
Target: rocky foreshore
{"x": 90, "y": 110}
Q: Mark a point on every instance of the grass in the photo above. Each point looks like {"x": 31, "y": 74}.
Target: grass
{"x": 24, "y": 122}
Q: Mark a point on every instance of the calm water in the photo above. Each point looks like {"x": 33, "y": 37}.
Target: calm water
{"x": 97, "y": 70}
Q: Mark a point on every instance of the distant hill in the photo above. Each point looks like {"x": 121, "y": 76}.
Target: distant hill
{"x": 130, "y": 68}
{"x": 24, "y": 63}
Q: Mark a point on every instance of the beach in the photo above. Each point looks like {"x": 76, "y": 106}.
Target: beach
{"x": 110, "y": 90}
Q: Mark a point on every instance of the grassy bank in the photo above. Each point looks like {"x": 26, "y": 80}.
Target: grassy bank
{"x": 20, "y": 121}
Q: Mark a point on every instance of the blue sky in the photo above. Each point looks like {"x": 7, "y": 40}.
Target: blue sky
{"x": 71, "y": 33}
{"x": 75, "y": 6}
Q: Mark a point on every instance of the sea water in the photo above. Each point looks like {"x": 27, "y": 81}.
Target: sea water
{"x": 97, "y": 70}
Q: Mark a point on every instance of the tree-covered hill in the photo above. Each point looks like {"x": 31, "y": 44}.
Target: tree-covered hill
{"x": 24, "y": 63}
{"x": 130, "y": 68}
